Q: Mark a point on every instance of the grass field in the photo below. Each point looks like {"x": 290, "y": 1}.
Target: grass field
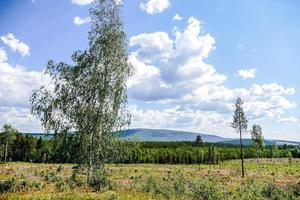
{"x": 271, "y": 179}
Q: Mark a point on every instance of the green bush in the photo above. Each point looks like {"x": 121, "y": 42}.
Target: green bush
{"x": 47, "y": 177}
{"x": 52, "y": 177}
{"x": 249, "y": 189}
{"x": 156, "y": 187}
{"x": 272, "y": 192}
{"x": 17, "y": 184}
{"x": 151, "y": 185}
{"x": 180, "y": 185}
{"x": 113, "y": 197}
{"x": 7, "y": 185}
{"x": 99, "y": 180}
{"x": 60, "y": 184}
{"x": 77, "y": 180}
{"x": 207, "y": 189}
{"x": 60, "y": 168}
{"x": 295, "y": 189}
{"x": 36, "y": 185}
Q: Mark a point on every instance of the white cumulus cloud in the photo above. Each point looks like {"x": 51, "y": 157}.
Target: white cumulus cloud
{"x": 288, "y": 119}
{"x": 80, "y": 21}
{"x": 177, "y": 17}
{"x": 17, "y": 83}
{"x": 82, "y": 2}
{"x": 16, "y": 86}
{"x": 171, "y": 71}
{"x": 154, "y": 46}
{"x": 247, "y": 73}
{"x": 155, "y": 6}
{"x": 16, "y": 45}
{"x": 176, "y": 118}
{"x": 179, "y": 61}
{"x": 3, "y": 56}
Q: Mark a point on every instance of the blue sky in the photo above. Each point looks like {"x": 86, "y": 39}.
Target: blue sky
{"x": 189, "y": 68}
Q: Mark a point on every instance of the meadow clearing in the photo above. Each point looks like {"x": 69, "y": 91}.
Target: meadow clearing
{"x": 268, "y": 179}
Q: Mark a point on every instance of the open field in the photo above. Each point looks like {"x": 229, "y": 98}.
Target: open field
{"x": 271, "y": 179}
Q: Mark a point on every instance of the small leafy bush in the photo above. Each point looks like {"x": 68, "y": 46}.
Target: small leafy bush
{"x": 51, "y": 177}
{"x": 7, "y": 185}
{"x": 249, "y": 189}
{"x": 180, "y": 185}
{"x": 113, "y": 197}
{"x": 295, "y": 189}
{"x": 99, "y": 180}
{"x": 60, "y": 168}
{"x": 17, "y": 184}
{"x": 36, "y": 185}
{"x": 272, "y": 192}
{"x": 207, "y": 189}
{"x": 77, "y": 180}
{"x": 156, "y": 187}
{"x": 61, "y": 184}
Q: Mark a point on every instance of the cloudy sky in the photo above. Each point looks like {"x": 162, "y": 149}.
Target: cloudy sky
{"x": 192, "y": 58}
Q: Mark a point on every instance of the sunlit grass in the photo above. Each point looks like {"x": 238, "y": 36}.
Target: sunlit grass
{"x": 128, "y": 179}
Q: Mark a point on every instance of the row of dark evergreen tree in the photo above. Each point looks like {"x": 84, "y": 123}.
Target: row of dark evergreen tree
{"x": 16, "y": 146}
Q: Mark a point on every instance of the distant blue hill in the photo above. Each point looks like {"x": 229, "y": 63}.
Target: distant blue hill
{"x": 172, "y": 135}
{"x": 141, "y": 134}
{"x": 38, "y": 135}
{"x": 166, "y": 135}
{"x": 246, "y": 141}
{"x": 266, "y": 141}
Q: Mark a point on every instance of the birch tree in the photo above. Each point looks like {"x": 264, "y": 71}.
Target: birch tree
{"x": 257, "y": 139}
{"x": 89, "y": 97}
{"x": 7, "y": 136}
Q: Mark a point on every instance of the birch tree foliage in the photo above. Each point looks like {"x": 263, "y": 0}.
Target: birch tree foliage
{"x": 257, "y": 138}
{"x": 89, "y": 97}
{"x": 7, "y": 136}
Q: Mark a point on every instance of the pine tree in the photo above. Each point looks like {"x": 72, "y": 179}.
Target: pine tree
{"x": 239, "y": 123}
{"x": 199, "y": 141}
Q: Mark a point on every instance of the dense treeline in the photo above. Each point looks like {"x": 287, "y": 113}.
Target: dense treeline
{"x": 27, "y": 148}
{"x": 65, "y": 150}
{"x": 192, "y": 153}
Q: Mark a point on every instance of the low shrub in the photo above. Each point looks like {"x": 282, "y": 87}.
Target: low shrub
{"x": 156, "y": 187}
{"x": 99, "y": 180}
{"x": 77, "y": 179}
{"x": 295, "y": 189}
{"x": 17, "y": 184}
{"x": 60, "y": 168}
{"x": 270, "y": 191}
{"x": 113, "y": 197}
{"x": 7, "y": 185}
{"x": 61, "y": 184}
{"x": 51, "y": 177}
{"x": 180, "y": 185}
{"x": 207, "y": 189}
{"x": 249, "y": 189}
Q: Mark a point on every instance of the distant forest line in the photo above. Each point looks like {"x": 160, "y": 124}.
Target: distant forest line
{"x": 28, "y": 148}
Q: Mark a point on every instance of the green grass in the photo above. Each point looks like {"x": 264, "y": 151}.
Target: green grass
{"x": 152, "y": 181}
